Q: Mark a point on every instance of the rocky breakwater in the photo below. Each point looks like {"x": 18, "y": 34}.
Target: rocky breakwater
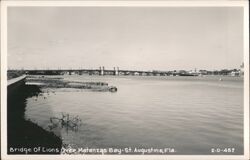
{"x": 59, "y": 82}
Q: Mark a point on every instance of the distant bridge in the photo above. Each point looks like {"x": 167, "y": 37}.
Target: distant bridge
{"x": 100, "y": 71}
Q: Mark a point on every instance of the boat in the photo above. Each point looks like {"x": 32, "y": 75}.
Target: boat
{"x": 112, "y": 89}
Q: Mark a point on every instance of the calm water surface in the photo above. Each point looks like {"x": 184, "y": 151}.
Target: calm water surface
{"x": 190, "y": 114}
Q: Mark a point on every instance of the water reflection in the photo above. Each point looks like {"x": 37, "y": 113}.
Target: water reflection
{"x": 192, "y": 114}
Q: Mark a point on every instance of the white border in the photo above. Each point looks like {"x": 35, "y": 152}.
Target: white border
{"x": 6, "y": 4}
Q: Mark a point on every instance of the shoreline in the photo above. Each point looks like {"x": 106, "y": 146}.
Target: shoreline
{"x": 22, "y": 133}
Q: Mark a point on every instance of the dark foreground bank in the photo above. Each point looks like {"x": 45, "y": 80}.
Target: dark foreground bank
{"x": 25, "y": 137}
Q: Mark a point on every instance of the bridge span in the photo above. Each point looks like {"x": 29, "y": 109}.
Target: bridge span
{"x": 99, "y": 71}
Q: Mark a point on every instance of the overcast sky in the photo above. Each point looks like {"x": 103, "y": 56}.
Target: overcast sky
{"x": 142, "y": 38}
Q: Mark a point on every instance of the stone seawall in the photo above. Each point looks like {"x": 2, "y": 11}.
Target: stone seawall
{"x": 15, "y": 83}
{"x": 22, "y": 134}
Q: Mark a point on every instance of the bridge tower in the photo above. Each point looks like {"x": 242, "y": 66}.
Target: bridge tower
{"x": 114, "y": 73}
{"x": 101, "y": 72}
{"x": 117, "y": 70}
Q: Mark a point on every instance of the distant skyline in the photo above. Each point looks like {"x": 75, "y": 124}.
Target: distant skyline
{"x": 134, "y": 38}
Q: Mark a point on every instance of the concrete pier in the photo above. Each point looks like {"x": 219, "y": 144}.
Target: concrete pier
{"x": 15, "y": 83}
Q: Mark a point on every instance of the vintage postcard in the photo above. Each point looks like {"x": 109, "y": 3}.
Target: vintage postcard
{"x": 125, "y": 80}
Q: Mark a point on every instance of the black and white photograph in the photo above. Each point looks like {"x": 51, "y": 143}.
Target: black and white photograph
{"x": 123, "y": 80}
